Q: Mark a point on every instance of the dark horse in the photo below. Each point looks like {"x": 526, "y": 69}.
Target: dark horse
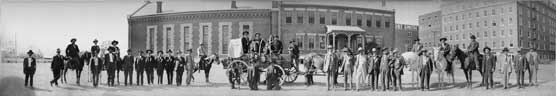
{"x": 206, "y": 64}
{"x": 466, "y": 64}
{"x": 76, "y": 64}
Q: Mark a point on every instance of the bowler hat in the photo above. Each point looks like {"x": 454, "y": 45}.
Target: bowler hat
{"x": 30, "y": 52}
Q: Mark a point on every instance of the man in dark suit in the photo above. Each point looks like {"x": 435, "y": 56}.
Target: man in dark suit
{"x": 140, "y": 67}
{"x": 169, "y": 66}
{"x": 160, "y": 66}
{"x": 118, "y": 62}
{"x": 245, "y": 42}
{"x": 29, "y": 68}
{"x": 110, "y": 62}
{"x": 150, "y": 63}
{"x": 128, "y": 68}
{"x": 57, "y": 66}
{"x": 180, "y": 61}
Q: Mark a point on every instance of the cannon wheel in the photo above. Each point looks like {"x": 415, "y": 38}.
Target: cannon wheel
{"x": 290, "y": 74}
{"x": 243, "y": 71}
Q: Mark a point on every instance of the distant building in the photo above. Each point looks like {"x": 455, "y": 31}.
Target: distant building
{"x": 405, "y": 34}
{"x": 499, "y": 23}
{"x": 430, "y": 29}
{"x": 305, "y": 23}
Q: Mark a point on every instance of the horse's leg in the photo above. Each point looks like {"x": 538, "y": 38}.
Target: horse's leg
{"x": 207, "y": 72}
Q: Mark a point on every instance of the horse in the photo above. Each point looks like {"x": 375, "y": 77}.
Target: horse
{"x": 75, "y": 64}
{"x": 206, "y": 64}
{"x": 411, "y": 60}
{"x": 440, "y": 63}
{"x": 466, "y": 65}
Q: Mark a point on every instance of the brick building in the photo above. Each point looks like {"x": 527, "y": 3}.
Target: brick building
{"x": 405, "y": 34}
{"x": 430, "y": 28}
{"x": 305, "y": 23}
{"x": 499, "y": 23}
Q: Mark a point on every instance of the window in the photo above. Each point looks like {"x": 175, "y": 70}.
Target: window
{"x": 493, "y": 33}
{"x": 311, "y": 41}
{"x": 187, "y": 37}
{"x": 502, "y": 32}
{"x": 486, "y": 34}
{"x": 311, "y": 20}
{"x": 205, "y": 32}
{"x": 300, "y": 19}
{"x": 493, "y": 12}
{"x": 288, "y": 19}
{"x": 485, "y": 13}
{"x": 377, "y": 24}
{"x": 322, "y": 39}
{"x": 225, "y": 37}
{"x": 348, "y": 21}
{"x": 334, "y": 21}
{"x": 359, "y": 22}
{"x": 369, "y": 22}
{"x": 322, "y": 20}
{"x": 387, "y": 25}
{"x": 169, "y": 38}
{"x": 300, "y": 39}
{"x": 152, "y": 39}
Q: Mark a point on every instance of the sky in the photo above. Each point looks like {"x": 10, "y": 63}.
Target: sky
{"x": 49, "y": 24}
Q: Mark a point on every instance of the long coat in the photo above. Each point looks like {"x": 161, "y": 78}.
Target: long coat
{"x": 57, "y": 62}
{"x": 72, "y": 50}
{"x": 128, "y": 62}
{"x": 533, "y": 59}
{"x": 374, "y": 63}
{"x": 520, "y": 62}
{"x": 505, "y": 61}
{"x": 489, "y": 63}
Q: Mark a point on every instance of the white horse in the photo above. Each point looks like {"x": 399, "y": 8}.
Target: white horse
{"x": 412, "y": 60}
{"x": 440, "y": 63}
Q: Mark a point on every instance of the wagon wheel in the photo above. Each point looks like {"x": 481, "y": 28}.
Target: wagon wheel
{"x": 282, "y": 80}
{"x": 243, "y": 70}
{"x": 290, "y": 74}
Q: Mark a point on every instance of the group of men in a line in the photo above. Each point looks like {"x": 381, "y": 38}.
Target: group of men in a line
{"x": 143, "y": 64}
{"x": 487, "y": 63}
{"x": 371, "y": 65}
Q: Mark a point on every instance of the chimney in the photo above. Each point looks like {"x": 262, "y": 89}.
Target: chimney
{"x": 158, "y": 6}
{"x": 234, "y": 6}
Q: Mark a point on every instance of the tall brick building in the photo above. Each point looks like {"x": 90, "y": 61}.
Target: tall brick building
{"x": 430, "y": 29}
{"x": 499, "y": 23}
{"x": 305, "y": 23}
{"x": 405, "y": 36}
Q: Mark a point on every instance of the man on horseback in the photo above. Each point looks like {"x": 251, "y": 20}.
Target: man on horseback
{"x": 417, "y": 47}
{"x": 57, "y": 66}
{"x": 202, "y": 53}
{"x": 72, "y": 52}
{"x": 472, "y": 60}
{"x": 445, "y": 50}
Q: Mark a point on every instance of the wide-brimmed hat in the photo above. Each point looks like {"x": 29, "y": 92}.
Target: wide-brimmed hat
{"x": 73, "y": 39}
{"x": 114, "y": 42}
{"x": 94, "y": 41}
{"x": 245, "y": 32}
{"x": 30, "y": 52}
{"x": 505, "y": 49}
{"x": 330, "y": 47}
{"x": 443, "y": 39}
{"x": 473, "y": 37}
{"x": 151, "y": 51}
{"x": 417, "y": 40}
{"x": 487, "y": 48}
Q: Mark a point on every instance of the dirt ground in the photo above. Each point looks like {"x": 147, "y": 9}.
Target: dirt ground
{"x": 12, "y": 81}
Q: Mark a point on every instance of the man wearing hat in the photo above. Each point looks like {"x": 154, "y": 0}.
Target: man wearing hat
{"x": 257, "y": 44}
{"x": 396, "y": 69}
{"x": 72, "y": 52}
{"x": 170, "y": 65}
{"x": 294, "y": 51}
{"x": 473, "y": 53}
{"x": 160, "y": 64}
{"x": 330, "y": 60}
{"x": 29, "y": 68}
{"x": 245, "y": 42}
{"x": 57, "y": 66}
{"x": 505, "y": 60}
{"x": 128, "y": 62}
{"x": 276, "y": 45}
{"x": 96, "y": 67}
{"x": 385, "y": 69}
{"x": 533, "y": 66}
{"x": 189, "y": 66}
{"x": 520, "y": 65}
{"x": 118, "y": 63}
{"x": 150, "y": 63}
{"x": 140, "y": 67}
{"x": 180, "y": 61}
{"x": 417, "y": 47}
{"x": 445, "y": 50}
{"x": 361, "y": 68}
{"x": 489, "y": 65}
{"x": 110, "y": 63}
{"x": 95, "y": 49}
{"x": 426, "y": 70}
{"x": 374, "y": 71}
{"x": 203, "y": 54}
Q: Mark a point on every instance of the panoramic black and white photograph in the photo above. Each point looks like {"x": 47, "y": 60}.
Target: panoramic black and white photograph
{"x": 277, "y": 47}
